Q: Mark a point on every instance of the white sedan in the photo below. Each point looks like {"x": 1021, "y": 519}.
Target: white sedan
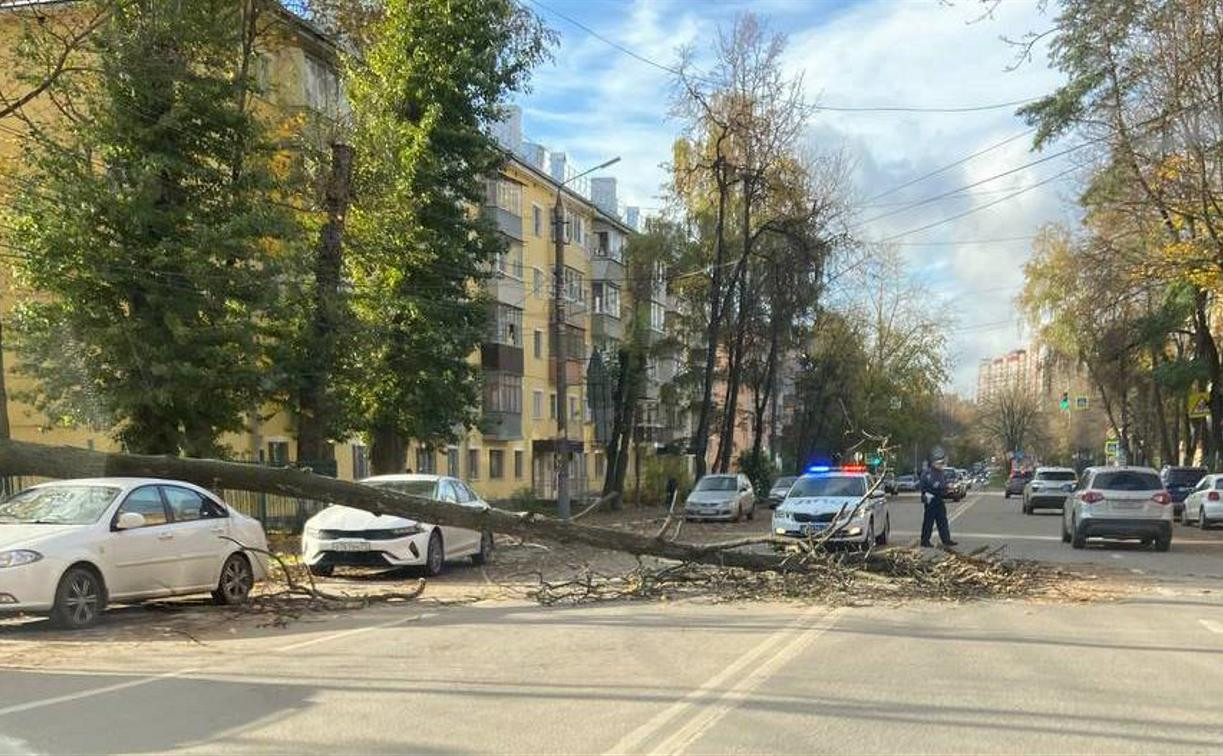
{"x": 70, "y": 547}
{"x": 1205, "y": 504}
{"x": 342, "y": 536}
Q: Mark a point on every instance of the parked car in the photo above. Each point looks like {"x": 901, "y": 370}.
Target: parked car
{"x": 826, "y": 499}
{"x": 956, "y": 487}
{"x": 1204, "y": 505}
{"x": 342, "y": 536}
{"x": 780, "y": 488}
{"x": 71, "y": 547}
{"x": 721, "y": 497}
{"x": 1049, "y": 488}
{"x": 1179, "y": 482}
{"x": 906, "y": 484}
{"x": 1016, "y": 483}
{"x": 1119, "y": 502}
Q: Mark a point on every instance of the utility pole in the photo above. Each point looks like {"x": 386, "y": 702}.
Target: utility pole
{"x": 558, "y": 354}
{"x": 558, "y": 343}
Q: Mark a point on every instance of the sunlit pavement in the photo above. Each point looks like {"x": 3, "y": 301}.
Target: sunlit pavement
{"x": 1139, "y": 675}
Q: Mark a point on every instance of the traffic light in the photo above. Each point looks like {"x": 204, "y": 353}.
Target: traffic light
{"x": 1065, "y": 401}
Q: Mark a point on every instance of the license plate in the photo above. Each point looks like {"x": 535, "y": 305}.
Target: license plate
{"x": 809, "y": 529}
{"x": 1128, "y": 505}
{"x": 350, "y": 546}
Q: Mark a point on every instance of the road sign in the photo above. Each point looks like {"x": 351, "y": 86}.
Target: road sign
{"x": 1080, "y": 403}
{"x": 1199, "y": 404}
{"x": 1111, "y": 447}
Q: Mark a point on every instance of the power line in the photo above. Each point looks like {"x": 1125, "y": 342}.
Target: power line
{"x": 951, "y": 165}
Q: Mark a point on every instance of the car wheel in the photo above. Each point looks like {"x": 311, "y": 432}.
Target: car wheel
{"x": 435, "y": 559}
{"x": 738, "y": 512}
{"x": 237, "y": 579}
{"x": 1027, "y": 508}
{"x": 1203, "y": 523}
{"x": 1006, "y": 494}
{"x": 79, "y": 599}
{"x": 751, "y": 513}
{"x": 882, "y": 538}
{"x": 485, "y": 554}
{"x": 1163, "y": 542}
{"x": 322, "y": 570}
{"x": 1078, "y": 538}
{"x": 868, "y": 539}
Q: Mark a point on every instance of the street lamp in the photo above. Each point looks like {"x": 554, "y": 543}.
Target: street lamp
{"x": 558, "y": 342}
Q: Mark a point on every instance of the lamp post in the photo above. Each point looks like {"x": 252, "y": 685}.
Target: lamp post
{"x": 558, "y": 343}
{"x": 558, "y": 340}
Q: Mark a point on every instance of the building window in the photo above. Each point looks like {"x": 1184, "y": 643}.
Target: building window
{"x": 551, "y": 406}
{"x": 360, "y": 462}
{"x": 426, "y": 461}
{"x": 278, "y": 453}
{"x": 452, "y": 461}
{"x": 518, "y": 464}
{"x": 606, "y": 298}
{"x": 503, "y": 393}
{"x": 573, "y": 408}
{"x": 505, "y": 326}
{"x": 573, "y": 285}
{"x": 537, "y": 220}
{"x": 505, "y": 195}
{"x": 537, "y": 405}
{"x": 537, "y": 283}
{"x": 496, "y": 464}
{"x": 603, "y": 249}
{"x": 473, "y": 464}
{"x": 539, "y": 344}
{"x": 509, "y": 260}
{"x": 658, "y": 317}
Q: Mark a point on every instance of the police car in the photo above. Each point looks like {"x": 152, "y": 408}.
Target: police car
{"x": 827, "y": 497}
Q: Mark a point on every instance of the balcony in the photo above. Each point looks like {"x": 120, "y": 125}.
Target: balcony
{"x": 504, "y": 289}
{"x": 506, "y": 222}
{"x": 575, "y": 313}
{"x": 501, "y": 426}
{"x": 606, "y": 268}
{"x": 606, "y": 326}
{"x": 501, "y": 358}
{"x": 575, "y": 369}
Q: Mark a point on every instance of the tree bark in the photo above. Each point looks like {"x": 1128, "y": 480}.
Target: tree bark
{"x": 316, "y": 410}
{"x": 388, "y": 454}
{"x": 18, "y": 458}
{"x": 5, "y": 431}
{"x": 700, "y": 441}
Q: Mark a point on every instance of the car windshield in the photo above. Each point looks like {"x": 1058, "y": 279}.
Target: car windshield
{"x": 58, "y": 505}
{"x": 717, "y": 483}
{"x": 411, "y": 487}
{"x": 1185, "y": 476}
{"x": 1127, "y": 480}
{"x": 784, "y": 482}
{"x": 1055, "y": 475}
{"x": 828, "y": 486}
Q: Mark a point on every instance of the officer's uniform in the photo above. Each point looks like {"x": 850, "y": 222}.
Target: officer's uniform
{"x": 933, "y": 489}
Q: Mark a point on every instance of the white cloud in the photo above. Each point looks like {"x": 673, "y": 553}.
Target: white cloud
{"x": 597, "y": 102}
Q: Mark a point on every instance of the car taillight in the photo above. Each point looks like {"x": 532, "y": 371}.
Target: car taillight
{"x": 1091, "y": 497}
{"x": 1213, "y": 496}
{"x": 1161, "y": 498}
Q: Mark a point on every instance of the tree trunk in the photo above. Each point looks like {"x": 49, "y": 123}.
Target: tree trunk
{"x": 316, "y": 408}
{"x": 764, "y": 394}
{"x": 5, "y": 431}
{"x": 700, "y": 440}
{"x": 388, "y": 454}
{"x": 1208, "y": 352}
{"x": 726, "y": 444}
{"x": 18, "y": 458}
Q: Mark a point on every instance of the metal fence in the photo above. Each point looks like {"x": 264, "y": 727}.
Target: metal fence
{"x": 277, "y": 513}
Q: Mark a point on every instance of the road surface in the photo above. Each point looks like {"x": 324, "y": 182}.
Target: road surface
{"x": 1140, "y": 675}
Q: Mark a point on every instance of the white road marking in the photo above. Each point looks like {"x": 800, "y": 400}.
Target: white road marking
{"x": 683, "y": 738}
{"x": 1212, "y": 626}
{"x": 964, "y": 508}
{"x": 655, "y": 724}
{"x": 129, "y": 684}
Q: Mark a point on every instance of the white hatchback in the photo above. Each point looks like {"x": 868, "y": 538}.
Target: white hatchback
{"x": 1205, "y": 504}
{"x": 70, "y": 547}
{"x": 342, "y": 536}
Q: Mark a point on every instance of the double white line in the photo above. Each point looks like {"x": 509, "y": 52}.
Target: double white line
{"x": 745, "y": 674}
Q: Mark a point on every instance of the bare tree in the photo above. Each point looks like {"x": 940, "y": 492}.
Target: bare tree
{"x": 1013, "y": 417}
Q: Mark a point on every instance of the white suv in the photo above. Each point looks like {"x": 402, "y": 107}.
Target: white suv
{"x": 1118, "y": 502}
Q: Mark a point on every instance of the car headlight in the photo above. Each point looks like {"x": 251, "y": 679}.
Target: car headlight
{"x": 18, "y": 557}
{"x": 407, "y": 531}
{"x": 311, "y": 532}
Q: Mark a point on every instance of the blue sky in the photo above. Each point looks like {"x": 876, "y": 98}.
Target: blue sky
{"x": 595, "y": 102}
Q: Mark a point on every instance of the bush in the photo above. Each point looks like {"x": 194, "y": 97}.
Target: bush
{"x": 655, "y": 470}
{"x": 760, "y": 470}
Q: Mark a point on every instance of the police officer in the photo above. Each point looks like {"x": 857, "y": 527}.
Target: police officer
{"x": 933, "y": 490}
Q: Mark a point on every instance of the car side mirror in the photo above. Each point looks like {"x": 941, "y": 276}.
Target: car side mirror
{"x": 129, "y": 521}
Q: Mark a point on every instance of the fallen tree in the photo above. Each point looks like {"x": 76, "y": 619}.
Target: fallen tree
{"x": 21, "y": 458}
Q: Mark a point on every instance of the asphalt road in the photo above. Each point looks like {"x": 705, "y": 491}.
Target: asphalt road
{"x": 1140, "y": 675}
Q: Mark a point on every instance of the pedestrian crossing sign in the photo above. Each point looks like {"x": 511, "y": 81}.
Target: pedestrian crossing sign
{"x": 1199, "y": 404}
{"x": 1080, "y": 403}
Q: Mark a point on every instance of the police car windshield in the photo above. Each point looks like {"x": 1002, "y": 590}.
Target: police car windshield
{"x": 829, "y": 485}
